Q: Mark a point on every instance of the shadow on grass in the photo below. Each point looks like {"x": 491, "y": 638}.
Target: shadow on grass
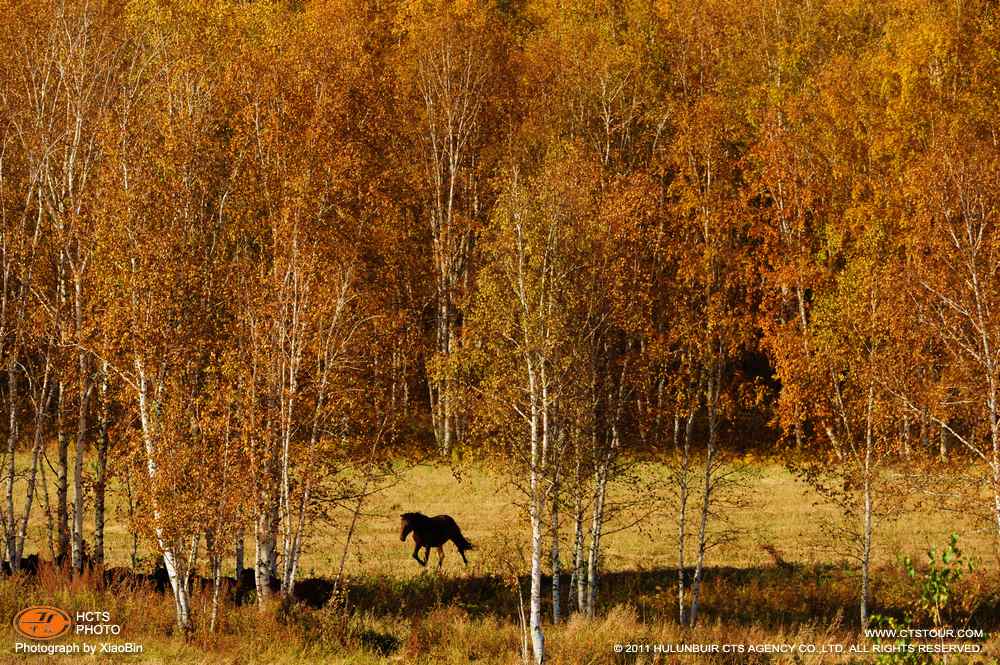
{"x": 767, "y": 596}
{"x": 771, "y": 597}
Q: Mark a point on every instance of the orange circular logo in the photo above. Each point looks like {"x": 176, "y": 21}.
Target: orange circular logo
{"x": 42, "y": 622}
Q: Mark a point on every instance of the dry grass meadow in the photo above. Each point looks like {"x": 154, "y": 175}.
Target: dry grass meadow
{"x": 395, "y": 611}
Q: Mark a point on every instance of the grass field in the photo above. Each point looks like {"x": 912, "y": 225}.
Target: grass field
{"x": 781, "y": 512}
{"x": 400, "y": 612}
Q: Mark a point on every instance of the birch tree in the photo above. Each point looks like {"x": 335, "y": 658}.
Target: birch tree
{"x": 523, "y": 307}
{"x": 956, "y": 192}
{"x": 159, "y": 241}
{"x": 302, "y": 236}
{"x": 66, "y": 83}
{"x": 453, "y": 70}
{"x": 28, "y": 341}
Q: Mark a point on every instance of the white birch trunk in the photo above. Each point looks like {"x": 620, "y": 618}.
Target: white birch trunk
{"x": 537, "y": 548}
{"x": 100, "y": 484}
{"x": 578, "y": 581}
{"x": 711, "y": 404}
{"x": 596, "y": 530}
{"x": 42, "y": 402}
{"x": 9, "y": 530}
{"x": 556, "y": 566}
{"x": 149, "y": 432}
{"x": 83, "y": 382}
{"x": 536, "y": 510}
{"x": 62, "y": 479}
{"x": 684, "y": 473}
{"x": 266, "y": 546}
{"x": 216, "y": 587}
{"x": 867, "y": 533}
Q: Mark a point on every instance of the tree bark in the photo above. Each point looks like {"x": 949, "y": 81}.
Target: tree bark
{"x": 867, "y": 534}
{"x": 295, "y": 547}
{"x": 711, "y": 408}
{"x": 83, "y": 382}
{"x": 684, "y": 474}
{"x": 536, "y": 508}
{"x": 100, "y": 481}
{"x": 41, "y": 407}
{"x": 216, "y": 585}
{"x": 149, "y": 432}
{"x": 62, "y": 479}
{"x": 596, "y": 531}
{"x": 556, "y": 567}
{"x": 12, "y": 401}
{"x": 578, "y": 581}
{"x": 266, "y": 546}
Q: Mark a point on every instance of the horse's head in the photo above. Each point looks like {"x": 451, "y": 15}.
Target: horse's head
{"x": 405, "y": 525}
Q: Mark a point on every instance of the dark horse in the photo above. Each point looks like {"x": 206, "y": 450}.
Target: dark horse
{"x": 431, "y": 532}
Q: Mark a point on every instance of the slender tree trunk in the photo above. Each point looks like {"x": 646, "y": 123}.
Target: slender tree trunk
{"x": 149, "y": 431}
{"x": 523, "y": 624}
{"x": 182, "y": 603}
{"x": 440, "y": 385}
{"x": 83, "y": 381}
{"x": 866, "y": 551}
{"x": 62, "y": 479}
{"x": 711, "y": 404}
{"x": 684, "y": 452}
{"x": 216, "y": 584}
{"x": 295, "y": 547}
{"x": 347, "y": 543}
{"x": 866, "y": 547}
{"x": 266, "y": 545}
{"x": 49, "y": 522}
{"x": 36, "y": 455}
{"x": 536, "y": 509}
{"x": 994, "y": 420}
{"x": 285, "y": 520}
{"x": 215, "y": 562}
{"x": 596, "y": 531}
{"x": 100, "y": 481}
{"x": 578, "y": 581}
{"x": 78, "y": 488}
{"x": 996, "y": 496}
{"x": 18, "y": 534}
{"x": 535, "y": 611}
{"x": 9, "y": 530}
{"x": 556, "y": 567}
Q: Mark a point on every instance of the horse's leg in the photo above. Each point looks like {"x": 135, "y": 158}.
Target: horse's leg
{"x": 416, "y": 555}
{"x": 427, "y": 554}
{"x": 455, "y": 539}
{"x": 440, "y": 550}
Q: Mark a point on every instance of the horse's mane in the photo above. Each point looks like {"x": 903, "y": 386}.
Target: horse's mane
{"x": 411, "y": 516}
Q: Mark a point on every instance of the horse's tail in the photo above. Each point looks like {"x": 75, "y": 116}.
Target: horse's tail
{"x": 461, "y": 541}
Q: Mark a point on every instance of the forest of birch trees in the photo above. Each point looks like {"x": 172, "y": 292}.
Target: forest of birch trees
{"x": 253, "y": 253}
